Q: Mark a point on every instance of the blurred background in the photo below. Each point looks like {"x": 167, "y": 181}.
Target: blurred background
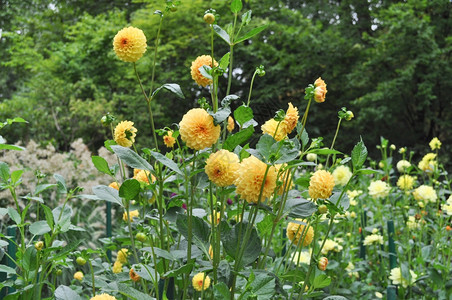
{"x": 387, "y": 61}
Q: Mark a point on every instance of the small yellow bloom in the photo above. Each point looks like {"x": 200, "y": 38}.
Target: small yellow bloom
{"x": 296, "y": 232}
{"x": 117, "y": 267}
{"x": 122, "y": 255}
{"x": 320, "y": 90}
{"x": 311, "y": 157}
{"x": 132, "y": 214}
{"x": 397, "y": 278}
{"x": 350, "y": 115}
{"x": 291, "y": 118}
{"x": 197, "y": 129}
{"x": 201, "y": 282}
{"x": 321, "y": 185}
{"x": 217, "y": 215}
{"x": 103, "y": 297}
{"x": 211, "y": 252}
{"x": 78, "y": 276}
{"x": 168, "y": 139}
{"x": 129, "y": 44}
{"x": 342, "y": 175}
{"x": 114, "y": 185}
{"x": 428, "y": 163}
{"x": 125, "y": 134}
{"x": 221, "y": 167}
{"x": 277, "y": 130}
{"x": 143, "y": 176}
{"x": 331, "y": 245}
{"x": 203, "y": 60}
{"x": 231, "y": 124}
{"x": 405, "y": 182}
{"x": 435, "y": 144}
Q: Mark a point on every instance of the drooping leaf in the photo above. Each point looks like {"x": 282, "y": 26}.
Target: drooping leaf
{"x": 238, "y": 138}
{"x": 101, "y": 165}
{"x": 172, "y": 87}
{"x": 14, "y": 215}
{"x": 107, "y": 193}
{"x": 167, "y": 162}
{"x": 243, "y": 114}
{"x": 299, "y": 208}
{"x": 131, "y": 158}
{"x": 251, "y": 33}
{"x": 221, "y": 115}
{"x": 11, "y": 147}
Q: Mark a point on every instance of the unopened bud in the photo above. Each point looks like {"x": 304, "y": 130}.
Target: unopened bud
{"x": 209, "y": 18}
{"x": 80, "y": 261}
{"x": 311, "y": 156}
{"x": 393, "y": 147}
{"x": 323, "y": 262}
{"x": 140, "y": 237}
{"x": 350, "y": 115}
{"x": 39, "y": 245}
{"x": 323, "y": 209}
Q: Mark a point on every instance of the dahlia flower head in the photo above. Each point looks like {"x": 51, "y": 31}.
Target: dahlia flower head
{"x": 425, "y": 193}
{"x": 403, "y": 165}
{"x": 201, "y": 282}
{"x": 221, "y": 167}
{"x": 134, "y": 276}
{"x": 280, "y": 130}
{"x": 125, "y": 133}
{"x": 132, "y": 214}
{"x": 405, "y": 182}
{"x": 331, "y": 245}
{"x": 122, "y": 255}
{"x": 321, "y": 185}
{"x": 197, "y": 129}
{"x": 250, "y": 178}
{"x": 448, "y": 206}
{"x": 342, "y": 175}
{"x": 378, "y": 189}
{"x": 129, "y": 44}
{"x": 103, "y": 297}
{"x": 373, "y": 239}
{"x": 297, "y": 232}
{"x": 168, "y": 139}
{"x": 302, "y": 257}
{"x": 203, "y": 60}
{"x": 396, "y": 277}
{"x": 435, "y": 144}
{"x": 231, "y": 124}
{"x": 78, "y": 276}
{"x": 320, "y": 90}
{"x": 117, "y": 267}
{"x": 428, "y": 163}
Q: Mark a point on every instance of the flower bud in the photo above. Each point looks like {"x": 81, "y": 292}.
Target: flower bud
{"x": 349, "y": 115}
{"x": 323, "y": 262}
{"x": 323, "y": 209}
{"x": 402, "y": 150}
{"x": 59, "y": 272}
{"x": 209, "y": 18}
{"x": 80, "y": 261}
{"x": 140, "y": 237}
{"x": 78, "y": 276}
{"x": 311, "y": 156}
{"x": 39, "y": 245}
{"x": 393, "y": 147}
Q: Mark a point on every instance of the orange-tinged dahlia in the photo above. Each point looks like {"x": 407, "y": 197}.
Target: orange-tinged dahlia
{"x": 297, "y": 232}
{"x": 250, "y": 177}
{"x": 125, "y": 134}
{"x": 291, "y": 118}
{"x": 221, "y": 167}
{"x": 114, "y": 185}
{"x": 203, "y": 60}
{"x": 197, "y": 129}
{"x": 134, "y": 276}
{"x": 278, "y": 130}
{"x": 320, "y": 90}
{"x": 231, "y": 124}
{"x": 169, "y": 140}
{"x": 129, "y": 44}
{"x": 321, "y": 185}
{"x": 103, "y": 297}
{"x": 201, "y": 282}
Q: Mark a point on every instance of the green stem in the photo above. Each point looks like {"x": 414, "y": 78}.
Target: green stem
{"x": 334, "y": 140}
{"x": 92, "y": 277}
{"x": 154, "y": 59}
{"x": 231, "y": 51}
{"x": 305, "y": 116}
{"x": 251, "y": 88}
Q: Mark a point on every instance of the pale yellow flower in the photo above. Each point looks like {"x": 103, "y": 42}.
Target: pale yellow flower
{"x": 378, "y": 189}
{"x": 114, "y": 185}
{"x": 425, "y": 193}
{"x": 103, "y": 297}
{"x": 412, "y": 223}
{"x": 373, "y": 239}
{"x": 129, "y": 44}
{"x": 78, "y": 276}
{"x": 122, "y": 255}
{"x": 342, "y": 175}
{"x": 396, "y": 277}
{"x": 302, "y": 257}
{"x": 435, "y": 144}
{"x": 197, "y": 129}
{"x": 321, "y": 185}
{"x": 403, "y": 165}
{"x": 125, "y": 133}
{"x": 405, "y": 182}
{"x": 277, "y": 130}
{"x": 311, "y": 157}
{"x": 117, "y": 267}
{"x": 428, "y": 163}
{"x": 331, "y": 245}
{"x": 353, "y": 194}
{"x": 221, "y": 167}
{"x": 296, "y": 232}
{"x": 201, "y": 282}
{"x": 132, "y": 214}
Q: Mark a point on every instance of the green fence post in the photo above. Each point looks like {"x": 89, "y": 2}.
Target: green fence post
{"x": 108, "y": 209}
{"x": 391, "y": 244}
{"x": 11, "y": 231}
{"x": 391, "y": 292}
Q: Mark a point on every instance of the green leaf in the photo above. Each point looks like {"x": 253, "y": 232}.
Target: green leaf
{"x": 132, "y": 293}
{"x": 324, "y": 151}
{"x": 425, "y": 252}
{"x": 321, "y": 281}
{"x": 243, "y": 114}
{"x": 61, "y": 183}
{"x": 66, "y": 293}
{"x": 251, "y": 33}
{"x": 367, "y": 171}
{"x": 206, "y": 71}
{"x": 224, "y": 61}
{"x": 221, "y": 291}
{"x": 238, "y": 138}
{"x": 7, "y": 270}
{"x": 221, "y": 33}
{"x": 227, "y": 100}
{"x": 42, "y": 187}
{"x": 172, "y": 87}
{"x": 108, "y": 194}
{"x": 48, "y": 214}
{"x": 15, "y": 176}
{"x": 359, "y": 155}
{"x": 300, "y": 208}
{"x": 263, "y": 286}
{"x": 264, "y": 227}
{"x": 29, "y": 262}
{"x": 233, "y": 237}
{"x": 11, "y": 147}
{"x": 246, "y": 18}
{"x": 185, "y": 269}
{"x": 304, "y": 138}
{"x": 4, "y": 171}
{"x": 221, "y": 115}
{"x": 236, "y": 6}
{"x": 264, "y": 146}
{"x": 200, "y": 230}
{"x": 167, "y": 162}
{"x": 160, "y": 253}
{"x": 108, "y": 144}
{"x": 101, "y": 165}
{"x": 62, "y": 217}
{"x": 39, "y": 228}
{"x": 335, "y": 297}
{"x": 131, "y": 158}
{"x": 129, "y": 189}
{"x": 289, "y": 151}
{"x": 67, "y": 249}
{"x": 14, "y": 215}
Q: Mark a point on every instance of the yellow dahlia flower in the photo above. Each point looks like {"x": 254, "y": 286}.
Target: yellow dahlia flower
{"x": 296, "y": 232}
{"x": 291, "y": 118}
{"x": 320, "y": 90}
{"x": 117, "y": 267}
{"x": 396, "y": 277}
{"x": 278, "y": 130}
{"x": 169, "y": 140}
{"x": 203, "y": 60}
{"x": 373, "y": 239}
{"x": 221, "y": 167}
{"x": 435, "y": 144}
{"x": 103, "y": 297}
{"x": 125, "y": 134}
{"x": 331, "y": 245}
{"x": 425, "y": 193}
{"x": 122, "y": 255}
{"x": 342, "y": 175}
{"x": 197, "y": 129}
{"x": 114, "y": 185}
{"x": 321, "y": 185}
{"x": 302, "y": 257}
{"x": 405, "y": 182}
{"x": 428, "y": 163}
{"x": 143, "y": 176}
{"x": 412, "y": 223}
{"x": 378, "y": 189}
{"x": 78, "y": 276}
{"x": 129, "y": 44}
{"x": 231, "y": 124}
{"x": 132, "y": 214}
{"x": 250, "y": 177}
{"x": 201, "y": 282}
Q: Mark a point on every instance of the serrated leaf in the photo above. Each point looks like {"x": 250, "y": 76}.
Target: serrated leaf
{"x": 238, "y": 138}
{"x": 101, "y": 165}
{"x": 129, "y": 189}
{"x": 243, "y": 114}
{"x": 251, "y": 33}
{"x": 359, "y": 155}
{"x": 321, "y": 281}
{"x": 61, "y": 183}
{"x": 131, "y": 158}
{"x": 108, "y": 194}
{"x": 167, "y": 162}
{"x": 172, "y": 87}
{"x": 221, "y": 33}
{"x": 39, "y": 228}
